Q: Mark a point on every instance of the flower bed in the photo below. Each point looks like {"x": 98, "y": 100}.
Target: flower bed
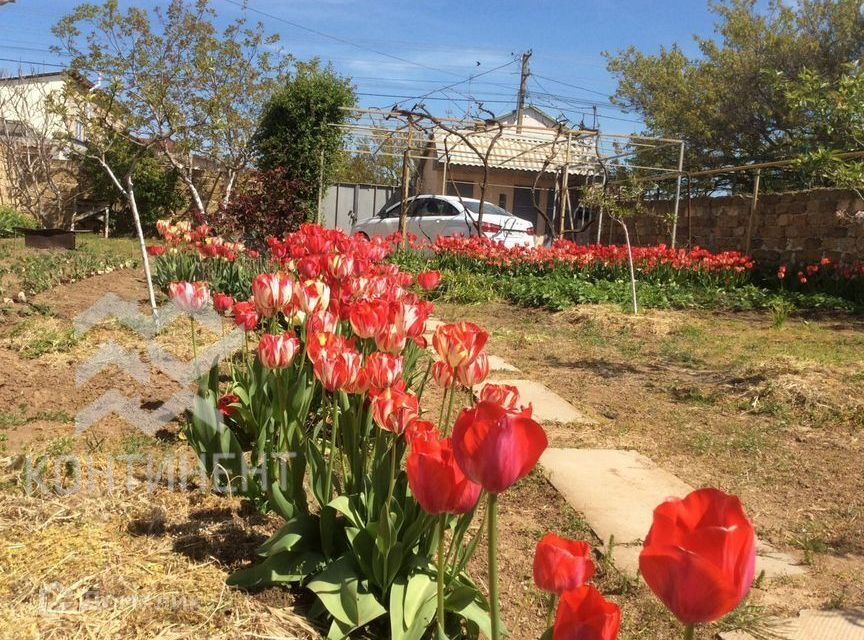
{"x": 324, "y": 423}
{"x": 608, "y": 262}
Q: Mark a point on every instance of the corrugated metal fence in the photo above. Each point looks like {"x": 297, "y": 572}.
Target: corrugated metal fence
{"x": 343, "y": 203}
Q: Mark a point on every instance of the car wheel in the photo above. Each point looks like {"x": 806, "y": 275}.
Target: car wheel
{"x": 363, "y": 235}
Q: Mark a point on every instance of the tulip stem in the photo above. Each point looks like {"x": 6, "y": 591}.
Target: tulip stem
{"x": 446, "y": 426}
{"x": 442, "y": 527}
{"x": 550, "y": 615}
{"x": 194, "y": 347}
{"x": 443, "y": 404}
{"x": 493, "y": 567}
{"x": 690, "y": 632}
{"x": 333, "y": 428}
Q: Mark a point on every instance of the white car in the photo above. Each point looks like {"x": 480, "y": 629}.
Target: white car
{"x": 431, "y": 216}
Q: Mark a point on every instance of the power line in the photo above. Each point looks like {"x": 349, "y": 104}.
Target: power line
{"x": 573, "y": 86}
{"x": 36, "y": 64}
{"x": 404, "y": 98}
{"x": 468, "y": 79}
{"x": 297, "y": 25}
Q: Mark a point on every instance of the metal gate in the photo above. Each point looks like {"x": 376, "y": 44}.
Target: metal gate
{"x": 344, "y": 203}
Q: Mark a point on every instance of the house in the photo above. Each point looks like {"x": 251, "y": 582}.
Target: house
{"x": 36, "y": 176}
{"x": 527, "y": 166}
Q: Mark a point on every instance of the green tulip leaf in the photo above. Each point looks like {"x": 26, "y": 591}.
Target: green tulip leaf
{"x": 412, "y": 606}
{"x": 340, "y": 591}
{"x": 282, "y": 568}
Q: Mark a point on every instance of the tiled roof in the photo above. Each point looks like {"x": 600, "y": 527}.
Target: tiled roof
{"x": 527, "y": 151}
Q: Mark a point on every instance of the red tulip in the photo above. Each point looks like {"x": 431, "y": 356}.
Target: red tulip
{"x": 272, "y": 293}
{"x": 429, "y": 280}
{"x": 460, "y": 343}
{"x": 383, "y": 369}
{"x": 584, "y": 614}
{"x": 322, "y": 321}
{"x": 278, "y": 352}
{"x": 443, "y": 373}
{"x": 391, "y": 339}
{"x": 436, "y": 481}
{"x": 561, "y": 565}
{"x": 319, "y": 343}
{"x": 155, "y": 250}
{"x": 222, "y": 303}
{"x": 474, "y": 372}
{"x": 368, "y": 317}
{"x": 394, "y": 408}
{"x": 496, "y": 448}
{"x": 337, "y": 370}
{"x": 699, "y": 557}
{"x": 313, "y": 296}
{"x": 340, "y": 265}
{"x": 360, "y": 385}
{"x": 226, "y": 404}
{"x": 421, "y": 430}
{"x": 505, "y": 395}
{"x": 245, "y": 316}
{"x": 191, "y": 297}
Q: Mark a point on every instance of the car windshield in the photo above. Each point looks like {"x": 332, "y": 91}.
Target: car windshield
{"x": 474, "y": 207}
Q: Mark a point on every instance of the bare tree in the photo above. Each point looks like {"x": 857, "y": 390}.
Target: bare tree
{"x": 40, "y": 180}
{"x": 467, "y": 136}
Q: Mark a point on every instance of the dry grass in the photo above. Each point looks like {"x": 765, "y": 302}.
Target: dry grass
{"x": 128, "y": 562}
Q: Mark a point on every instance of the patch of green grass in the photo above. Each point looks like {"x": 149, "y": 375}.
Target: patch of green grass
{"x": 33, "y": 339}
{"x": 748, "y": 441}
{"x": 672, "y": 349}
{"x": 59, "y": 447}
{"x": 11, "y": 419}
{"x": 701, "y": 442}
{"x": 135, "y": 442}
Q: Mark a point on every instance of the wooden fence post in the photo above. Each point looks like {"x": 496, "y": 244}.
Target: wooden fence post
{"x": 754, "y": 203}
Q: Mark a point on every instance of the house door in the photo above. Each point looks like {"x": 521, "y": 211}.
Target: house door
{"x": 523, "y": 205}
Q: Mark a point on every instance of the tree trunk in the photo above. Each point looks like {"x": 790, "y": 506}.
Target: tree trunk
{"x": 130, "y": 196}
{"x": 632, "y": 270}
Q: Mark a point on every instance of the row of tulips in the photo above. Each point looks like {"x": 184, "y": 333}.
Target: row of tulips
{"x": 658, "y": 263}
{"x": 826, "y": 276}
{"x": 327, "y": 400}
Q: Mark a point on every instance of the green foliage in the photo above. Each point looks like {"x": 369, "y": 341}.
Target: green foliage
{"x": 10, "y": 219}
{"x": 297, "y": 124}
{"x": 377, "y": 162}
{"x": 233, "y": 278}
{"x": 729, "y": 102}
{"x": 158, "y": 192}
{"x": 833, "y": 110}
{"x": 40, "y": 271}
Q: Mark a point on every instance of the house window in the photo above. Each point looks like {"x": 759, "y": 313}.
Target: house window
{"x": 461, "y": 189}
{"x": 502, "y": 200}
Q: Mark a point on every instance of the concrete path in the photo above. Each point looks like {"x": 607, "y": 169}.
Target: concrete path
{"x": 549, "y": 407}
{"x": 811, "y": 625}
{"x": 497, "y": 364}
{"x": 617, "y": 492}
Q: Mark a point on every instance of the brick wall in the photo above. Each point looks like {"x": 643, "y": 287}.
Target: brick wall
{"x": 794, "y": 227}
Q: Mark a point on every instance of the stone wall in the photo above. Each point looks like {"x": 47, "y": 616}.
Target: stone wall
{"x": 793, "y": 227}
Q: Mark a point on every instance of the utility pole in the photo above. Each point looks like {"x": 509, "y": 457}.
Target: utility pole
{"x": 406, "y": 179}
{"x": 523, "y": 90}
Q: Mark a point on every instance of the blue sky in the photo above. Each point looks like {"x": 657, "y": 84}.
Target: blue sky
{"x": 432, "y": 43}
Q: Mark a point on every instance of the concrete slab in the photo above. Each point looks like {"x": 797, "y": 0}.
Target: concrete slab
{"x": 617, "y": 491}
{"x": 549, "y": 407}
{"x": 845, "y": 624}
{"x": 500, "y": 364}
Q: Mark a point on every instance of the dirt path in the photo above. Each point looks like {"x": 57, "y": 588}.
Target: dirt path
{"x": 39, "y": 394}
